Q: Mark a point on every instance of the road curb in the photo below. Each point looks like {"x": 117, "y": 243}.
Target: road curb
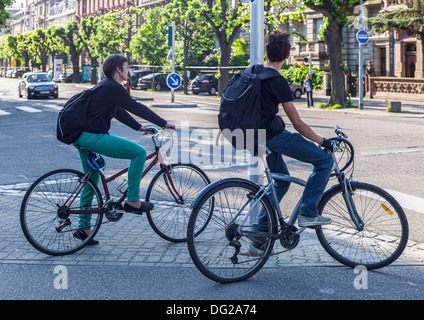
{"x": 172, "y": 105}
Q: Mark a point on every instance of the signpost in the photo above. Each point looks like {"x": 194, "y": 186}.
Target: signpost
{"x": 362, "y": 37}
{"x": 171, "y": 43}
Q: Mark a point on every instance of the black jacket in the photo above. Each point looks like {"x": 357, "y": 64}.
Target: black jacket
{"x": 112, "y": 100}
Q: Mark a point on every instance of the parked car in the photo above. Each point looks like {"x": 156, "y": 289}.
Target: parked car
{"x": 66, "y": 77}
{"x": 204, "y": 83}
{"x": 297, "y": 90}
{"x": 17, "y": 73}
{"x": 159, "y": 80}
{"x": 37, "y": 84}
{"x": 136, "y": 75}
{"x": 9, "y": 72}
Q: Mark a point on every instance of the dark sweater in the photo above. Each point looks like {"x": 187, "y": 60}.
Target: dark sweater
{"x": 112, "y": 100}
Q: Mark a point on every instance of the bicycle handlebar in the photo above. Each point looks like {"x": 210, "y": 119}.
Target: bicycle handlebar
{"x": 339, "y": 132}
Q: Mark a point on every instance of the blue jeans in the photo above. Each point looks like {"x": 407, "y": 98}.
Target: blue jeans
{"x": 295, "y": 146}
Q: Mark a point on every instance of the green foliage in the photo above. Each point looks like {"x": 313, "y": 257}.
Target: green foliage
{"x": 239, "y": 57}
{"x": 4, "y": 15}
{"x": 150, "y": 42}
{"x": 297, "y": 75}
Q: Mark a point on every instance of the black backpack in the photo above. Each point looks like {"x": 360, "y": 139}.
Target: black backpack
{"x": 72, "y": 117}
{"x": 240, "y": 109}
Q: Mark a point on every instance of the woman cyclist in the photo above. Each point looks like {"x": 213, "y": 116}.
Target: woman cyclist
{"x": 112, "y": 100}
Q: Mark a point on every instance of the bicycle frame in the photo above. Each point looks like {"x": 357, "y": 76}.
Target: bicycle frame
{"x": 269, "y": 188}
{"x": 155, "y": 156}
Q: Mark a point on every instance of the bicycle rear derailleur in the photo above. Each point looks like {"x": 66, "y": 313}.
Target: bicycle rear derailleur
{"x": 288, "y": 237}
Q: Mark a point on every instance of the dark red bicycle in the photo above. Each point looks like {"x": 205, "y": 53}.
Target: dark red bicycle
{"x": 55, "y": 203}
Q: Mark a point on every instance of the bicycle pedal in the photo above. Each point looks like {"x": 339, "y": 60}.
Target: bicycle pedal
{"x": 135, "y": 212}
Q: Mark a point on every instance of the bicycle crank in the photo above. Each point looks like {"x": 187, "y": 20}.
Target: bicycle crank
{"x": 114, "y": 211}
{"x": 288, "y": 237}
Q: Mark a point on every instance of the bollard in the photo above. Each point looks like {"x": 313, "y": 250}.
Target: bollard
{"x": 394, "y": 106}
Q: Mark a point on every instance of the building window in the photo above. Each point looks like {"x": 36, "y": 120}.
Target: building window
{"x": 319, "y": 23}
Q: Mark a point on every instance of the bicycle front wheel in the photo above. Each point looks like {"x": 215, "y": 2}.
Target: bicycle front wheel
{"x": 47, "y": 217}
{"x": 222, "y": 251}
{"x": 172, "y": 191}
{"x": 385, "y": 227}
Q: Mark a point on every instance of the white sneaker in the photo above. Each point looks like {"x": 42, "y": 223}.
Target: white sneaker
{"x": 304, "y": 221}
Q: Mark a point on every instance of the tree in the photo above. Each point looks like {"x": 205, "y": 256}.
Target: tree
{"x": 409, "y": 19}
{"x": 108, "y": 37}
{"x": 335, "y": 14}
{"x": 69, "y": 34}
{"x": 149, "y": 43}
{"x": 188, "y": 29}
{"x": 4, "y": 15}
{"x": 41, "y": 46}
{"x": 88, "y": 30}
{"x": 226, "y": 21}
{"x": 6, "y": 52}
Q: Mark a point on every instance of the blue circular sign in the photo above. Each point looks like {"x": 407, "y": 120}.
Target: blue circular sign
{"x": 173, "y": 81}
{"x": 362, "y": 36}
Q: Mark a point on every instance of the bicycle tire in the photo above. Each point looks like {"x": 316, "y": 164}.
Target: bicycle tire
{"x": 384, "y": 235}
{"x": 42, "y": 212}
{"x": 169, "y": 218}
{"x": 211, "y": 250}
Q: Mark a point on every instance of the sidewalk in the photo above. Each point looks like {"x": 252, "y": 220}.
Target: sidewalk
{"x": 132, "y": 242}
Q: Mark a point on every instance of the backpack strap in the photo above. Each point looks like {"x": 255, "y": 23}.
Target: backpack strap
{"x": 267, "y": 74}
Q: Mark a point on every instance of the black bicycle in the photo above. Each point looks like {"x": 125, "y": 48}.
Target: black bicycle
{"x": 369, "y": 226}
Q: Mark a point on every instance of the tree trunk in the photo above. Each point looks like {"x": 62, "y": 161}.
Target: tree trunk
{"x": 94, "y": 68}
{"x": 185, "y": 63}
{"x": 75, "y": 68}
{"x": 224, "y": 62}
{"x": 333, "y": 40}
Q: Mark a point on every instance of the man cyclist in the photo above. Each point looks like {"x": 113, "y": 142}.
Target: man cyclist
{"x": 298, "y": 146}
{"x": 112, "y": 100}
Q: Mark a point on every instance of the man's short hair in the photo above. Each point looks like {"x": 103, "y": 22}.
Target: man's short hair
{"x": 111, "y": 63}
{"x": 278, "y": 46}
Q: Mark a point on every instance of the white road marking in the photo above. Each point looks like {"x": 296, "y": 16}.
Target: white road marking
{"x": 4, "y": 113}
{"x": 28, "y": 109}
{"x": 408, "y": 201}
{"x": 52, "y": 106}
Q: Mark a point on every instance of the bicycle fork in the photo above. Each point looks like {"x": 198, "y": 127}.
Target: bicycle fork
{"x": 347, "y": 192}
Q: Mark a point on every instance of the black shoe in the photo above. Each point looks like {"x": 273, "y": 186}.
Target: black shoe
{"x": 145, "y": 206}
{"x": 80, "y": 234}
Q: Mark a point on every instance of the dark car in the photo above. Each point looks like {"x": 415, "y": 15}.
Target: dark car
{"x": 37, "y": 84}
{"x": 136, "y": 75}
{"x": 297, "y": 90}
{"x": 17, "y": 73}
{"x": 159, "y": 81}
{"x": 66, "y": 77}
{"x": 204, "y": 83}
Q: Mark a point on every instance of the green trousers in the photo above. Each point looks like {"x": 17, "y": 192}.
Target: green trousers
{"x": 114, "y": 147}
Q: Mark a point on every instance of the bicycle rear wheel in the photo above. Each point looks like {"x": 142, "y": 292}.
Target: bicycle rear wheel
{"x": 46, "y": 219}
{"x": 221, "y": 251}
{"x": 384, "y": 235}
{"x": 172, "y": 194}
